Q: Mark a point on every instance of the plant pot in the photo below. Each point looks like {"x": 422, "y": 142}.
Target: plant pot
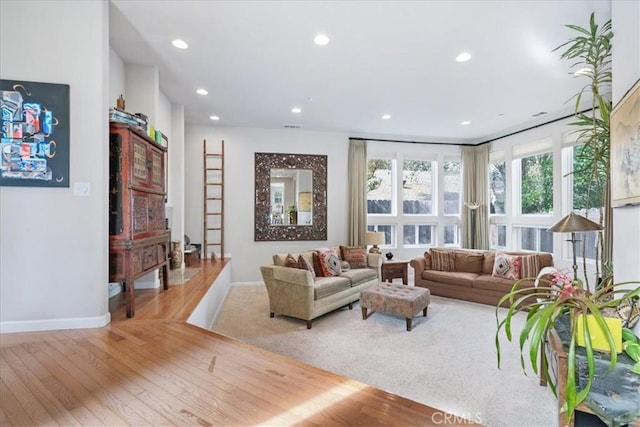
{"x": 598, "y": 338}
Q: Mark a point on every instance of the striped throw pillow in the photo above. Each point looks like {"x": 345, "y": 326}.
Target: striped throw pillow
{"x": 442, "y": 259}
{"x": 356, "y": 256}
{"x": 529, "y": 266}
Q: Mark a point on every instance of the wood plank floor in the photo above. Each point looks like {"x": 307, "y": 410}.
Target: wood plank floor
{"x": 155, "y": 369}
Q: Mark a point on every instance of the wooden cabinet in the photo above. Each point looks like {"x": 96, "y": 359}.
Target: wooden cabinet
{"x": 395, "y": 270}
{"x": 138, "y": 238}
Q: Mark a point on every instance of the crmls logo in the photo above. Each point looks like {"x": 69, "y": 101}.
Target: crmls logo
{"x": 444, "y": 418}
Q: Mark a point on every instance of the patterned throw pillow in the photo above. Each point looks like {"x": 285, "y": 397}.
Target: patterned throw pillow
{"x": 629, "y": 312}
{"x": 507, "y": 266}
{"x": 442, "y": 259}
{"x": 306, "y": 265}
{"x": 356, "y": 256}
{"x": 530, "y": 266}
{"x": 291, "y": 262}
{"x": 329, "y": 263}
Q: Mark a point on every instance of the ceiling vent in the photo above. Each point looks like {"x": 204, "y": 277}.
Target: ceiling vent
{"x": 292, "y": 126}
{"x": 541, "y": 113}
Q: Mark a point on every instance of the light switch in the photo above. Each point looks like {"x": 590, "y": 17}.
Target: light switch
{"x": 81, "y": 189}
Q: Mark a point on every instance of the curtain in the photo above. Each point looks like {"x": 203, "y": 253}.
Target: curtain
{"x": 357, "y": 170}
{"x": 475, "y": 189}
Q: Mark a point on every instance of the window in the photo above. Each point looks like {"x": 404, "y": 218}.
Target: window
{"x": 536, "y": 184}
{"x": 451, "y": 235}
{"x": 497, "y": 187}
{"x": 452, "y": 189}
{"x": 417, "y": 235}
{"x": 535, "y": 239}
{"x": 388, "y": 231}
{"x": 417, "y": 187}
{"x": 380, "y": 186}
{"x": 498, "y": 236}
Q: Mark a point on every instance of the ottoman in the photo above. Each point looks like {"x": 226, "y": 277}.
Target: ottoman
{"x": 395, "y": 299}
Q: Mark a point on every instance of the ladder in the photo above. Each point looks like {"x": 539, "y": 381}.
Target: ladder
{"x": 213, "y": 199}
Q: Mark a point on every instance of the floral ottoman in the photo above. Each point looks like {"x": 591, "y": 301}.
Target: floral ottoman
{"x": 395, "y": 299}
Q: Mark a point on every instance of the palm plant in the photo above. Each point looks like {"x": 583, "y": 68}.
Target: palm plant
{"x": 591, "y": 51}
{"x": 553, "y": 298}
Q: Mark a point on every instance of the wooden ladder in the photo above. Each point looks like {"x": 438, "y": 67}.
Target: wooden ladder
{"x": 213, "y": 200}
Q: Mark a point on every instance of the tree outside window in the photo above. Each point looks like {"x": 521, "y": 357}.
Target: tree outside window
{"x": 451, "y": 187}
{"x": 379, "y": 186}
{"x": 417, "y": 187}
{"x": 497, "y": 187}
{"x": 537, "y": 184}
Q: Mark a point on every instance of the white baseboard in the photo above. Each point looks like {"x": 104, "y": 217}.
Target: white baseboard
{"x": 54, "y": 324}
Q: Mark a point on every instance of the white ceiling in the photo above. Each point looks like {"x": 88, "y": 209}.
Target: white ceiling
{"x": 257, "y": 59}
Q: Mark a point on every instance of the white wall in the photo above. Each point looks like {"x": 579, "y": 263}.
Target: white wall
{"x": 626, "y": 71}
{"x": 116, "y": 78}
{"x": 240, "y": 146}
{"x": 54, "y": 246}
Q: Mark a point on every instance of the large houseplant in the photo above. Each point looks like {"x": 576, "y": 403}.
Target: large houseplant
{"x": 590, "y": 51}
{"x": 554, "y": 297}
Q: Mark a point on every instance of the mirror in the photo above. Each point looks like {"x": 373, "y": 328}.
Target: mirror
{"x": 290, "y": 197}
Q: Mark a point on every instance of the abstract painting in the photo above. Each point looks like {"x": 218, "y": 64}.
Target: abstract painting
{"x": 34, "y": 148}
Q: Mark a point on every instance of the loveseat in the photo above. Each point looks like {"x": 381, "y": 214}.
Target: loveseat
{"x": 305, "y": 290}
{"x": 474, "y": 275}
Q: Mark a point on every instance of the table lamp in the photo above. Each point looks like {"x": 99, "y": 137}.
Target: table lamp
{"x": 374, "y": 238}
{"x": 573, "y": 223}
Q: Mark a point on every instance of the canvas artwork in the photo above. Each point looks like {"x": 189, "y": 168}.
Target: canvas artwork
{"x": 625, "y": 150}
{"x": 34, "y": 147}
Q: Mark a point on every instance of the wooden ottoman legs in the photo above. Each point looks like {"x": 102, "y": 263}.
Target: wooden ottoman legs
{"x": 424, "y": 313}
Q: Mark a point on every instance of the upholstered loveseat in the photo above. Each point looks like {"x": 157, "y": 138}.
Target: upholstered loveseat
{"x": 474, "y": 275}
{"x": 307, "y": 291}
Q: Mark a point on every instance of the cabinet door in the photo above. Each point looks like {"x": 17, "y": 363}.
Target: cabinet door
{"x": 147, "y": 214}
{"x": 156, "y": 157}
{"x": 140, "y": 164}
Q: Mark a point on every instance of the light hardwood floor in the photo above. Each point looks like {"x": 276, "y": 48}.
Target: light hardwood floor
{"x": 155, "y": 369}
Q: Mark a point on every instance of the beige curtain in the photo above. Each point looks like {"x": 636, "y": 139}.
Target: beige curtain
{"x": 357, "y": 191}
{"x": 475, "y": 189}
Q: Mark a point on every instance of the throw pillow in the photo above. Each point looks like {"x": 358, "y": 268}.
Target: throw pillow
{"x": 530, "y": 266}
{"x": 329, "y": 263}
{"x": 442, "y": 259}
{"x": 306, "y": 265}
{"x": 507, "y": 266}
{"x": 356, "y": 256}
{"x": 345, "y": 266}
{"x": 629, "y": 312}
{"x": 291, "y": 262}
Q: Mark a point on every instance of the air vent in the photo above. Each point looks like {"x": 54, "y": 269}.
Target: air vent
{"x": 292, "y": 126}
{"x": 541, "y": 113}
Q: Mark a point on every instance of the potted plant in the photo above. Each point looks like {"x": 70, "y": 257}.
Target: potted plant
{"x": 552, "y": 298}
{"x": 590, "y": 50}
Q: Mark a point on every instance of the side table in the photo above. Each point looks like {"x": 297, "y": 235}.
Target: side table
{"x": 395, "y": 269}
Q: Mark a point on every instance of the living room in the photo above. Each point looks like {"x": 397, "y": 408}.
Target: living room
{"x": 66, "y": 286}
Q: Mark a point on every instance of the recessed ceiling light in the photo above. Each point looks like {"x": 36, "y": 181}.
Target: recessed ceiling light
{"x": 463, "y": 57}
{"x": 214, "y": 117}
{"x": 202, "y": 92}
{"x": 321, "y": 40}
{"x": 180, "y": 44}
{"x": 296, "y": 110}
{"x": 310, "y": 99}
{"x": 386, "y": 116}
{"x": 466, "y": 122}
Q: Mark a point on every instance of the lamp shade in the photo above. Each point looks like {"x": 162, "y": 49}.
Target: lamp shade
{"x": 374, "y": 238}
{"x": 574, "y": 222}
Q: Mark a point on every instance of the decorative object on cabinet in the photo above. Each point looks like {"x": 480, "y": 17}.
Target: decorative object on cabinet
{"x": 279, "y": 178}
{"x": 35, "y": 134}
{"x": 138, "y": 238}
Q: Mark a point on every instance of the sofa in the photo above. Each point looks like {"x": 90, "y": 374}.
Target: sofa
{"x": 477, "y": 275}
{"x": 307, "y": 292}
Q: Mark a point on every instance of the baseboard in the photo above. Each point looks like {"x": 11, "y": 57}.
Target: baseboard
{"x": 54, "y": 324}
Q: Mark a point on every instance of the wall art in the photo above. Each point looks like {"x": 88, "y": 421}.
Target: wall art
{"x": 34, "y": 148}
{"x": 625, "y": 149}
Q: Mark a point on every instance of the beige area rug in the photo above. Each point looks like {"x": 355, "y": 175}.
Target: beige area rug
{"x": 181, "y": 276}
{"x": 447, "y": 361}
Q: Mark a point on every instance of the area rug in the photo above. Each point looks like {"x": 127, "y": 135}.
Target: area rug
{"x": 181, "y": 276}
{"x": 448, "y": 360}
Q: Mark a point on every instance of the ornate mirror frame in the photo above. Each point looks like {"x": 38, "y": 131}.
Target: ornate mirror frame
{"x": 264, "y": 230}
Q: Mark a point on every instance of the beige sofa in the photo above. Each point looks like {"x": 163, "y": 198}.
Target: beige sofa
{"x": 471, "y": 277}
{"x": 296, "y": 293}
